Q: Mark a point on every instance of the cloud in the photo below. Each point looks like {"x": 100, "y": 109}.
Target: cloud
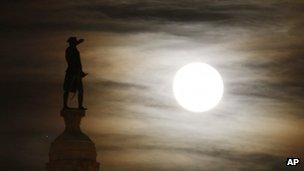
{"x": 135, "y": 47}
{"x": 162, "y": 13}
{"x": 118, "y": 85}
{"x": 137, "y": 16}
{"x": 240, "y": 160}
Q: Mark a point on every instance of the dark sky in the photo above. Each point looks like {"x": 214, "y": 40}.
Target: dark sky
{"x": 132, "y": 50}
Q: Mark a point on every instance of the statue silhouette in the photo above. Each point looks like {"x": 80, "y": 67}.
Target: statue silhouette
{"x": 74, "y": 73}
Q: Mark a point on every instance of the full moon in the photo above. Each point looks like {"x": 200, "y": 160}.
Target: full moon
{"x": 198, "y": 87}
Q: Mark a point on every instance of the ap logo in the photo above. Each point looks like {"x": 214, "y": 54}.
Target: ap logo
{"x": 292, "y": 161}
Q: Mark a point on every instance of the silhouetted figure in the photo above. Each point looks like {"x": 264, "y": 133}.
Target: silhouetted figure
{"x": 74, "y": 73}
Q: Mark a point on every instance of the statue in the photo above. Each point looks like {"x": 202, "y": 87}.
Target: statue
{"x": 73, "y": 150}
{"x": 74, "y": 73}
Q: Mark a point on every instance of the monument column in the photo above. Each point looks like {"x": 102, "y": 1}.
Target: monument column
{"x": 72, "y": 150}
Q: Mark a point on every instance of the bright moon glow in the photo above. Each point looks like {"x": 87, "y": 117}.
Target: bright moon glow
{"x": 198, "y": 87}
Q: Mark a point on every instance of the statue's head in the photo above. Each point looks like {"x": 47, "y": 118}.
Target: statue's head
{"x": 73, "y": 41}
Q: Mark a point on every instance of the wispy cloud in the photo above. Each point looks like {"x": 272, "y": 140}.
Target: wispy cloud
{"x": 132, "y": 51}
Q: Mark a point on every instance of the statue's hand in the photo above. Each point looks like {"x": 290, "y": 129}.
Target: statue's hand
{"x": 84, "y": 74}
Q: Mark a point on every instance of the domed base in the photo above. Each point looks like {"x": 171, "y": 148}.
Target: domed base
{"x": 72, "y": 150}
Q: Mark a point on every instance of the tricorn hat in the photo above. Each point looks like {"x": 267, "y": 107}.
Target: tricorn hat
{"x": 74, "y": 40}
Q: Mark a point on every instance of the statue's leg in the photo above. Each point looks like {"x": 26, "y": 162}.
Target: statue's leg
{"x": 65, "y": 99}
{"x": 80, "y": 92}
{"x": 80, "y": 98}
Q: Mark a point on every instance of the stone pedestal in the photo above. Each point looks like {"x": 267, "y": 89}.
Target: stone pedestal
{"x": 72, "y": 150}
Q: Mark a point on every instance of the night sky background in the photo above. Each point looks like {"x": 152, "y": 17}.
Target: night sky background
{"x": 132, "y": 50}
